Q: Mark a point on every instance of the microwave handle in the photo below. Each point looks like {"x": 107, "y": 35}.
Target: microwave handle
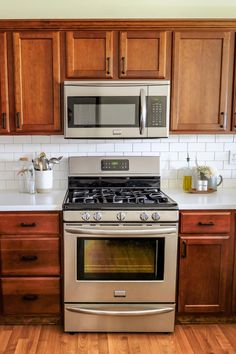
{"x": 143, "y": 111}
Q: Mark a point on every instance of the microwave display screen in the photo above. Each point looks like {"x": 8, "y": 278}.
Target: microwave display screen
{"x": 103, "y": 111}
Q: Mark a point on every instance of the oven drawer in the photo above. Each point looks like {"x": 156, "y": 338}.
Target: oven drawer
{"x": 29, "y": 223}
{"x": 29, "y": 256}
{"x": 30, "y": 295}
{"x": 205, "y": 222}
{"x": 119, "y": 318}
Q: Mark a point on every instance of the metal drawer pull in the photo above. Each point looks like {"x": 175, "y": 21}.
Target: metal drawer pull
{"x": 30, "y": 297}
{"x": 210, "y": 223}
{"x": 33, "y": 224}
{"x": 3, "y": 120}
{"x": 184, "y": 249}
{"x": 18, "y": 122}
{"x": 120, "y": 313}
{"x": 29, "y": 258}
{"x": 223, "y": 123}
{"x": 108, "y": 65}
{"x": 123, "y": 65}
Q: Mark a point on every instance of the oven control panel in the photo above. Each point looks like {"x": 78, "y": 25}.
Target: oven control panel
{"x": 114, "y": 165}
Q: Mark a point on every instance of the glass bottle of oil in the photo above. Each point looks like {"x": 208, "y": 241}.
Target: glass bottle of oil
{"x": 187, "y": 177}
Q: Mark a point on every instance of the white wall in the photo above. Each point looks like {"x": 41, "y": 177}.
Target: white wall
{"x": 44, "y": 9}
{"x": 212, "y": 150}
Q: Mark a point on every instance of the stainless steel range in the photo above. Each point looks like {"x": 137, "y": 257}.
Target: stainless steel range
{"x": 120, "y": 247}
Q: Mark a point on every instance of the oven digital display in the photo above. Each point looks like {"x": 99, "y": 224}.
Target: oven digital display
{"x": 115, "y": 165}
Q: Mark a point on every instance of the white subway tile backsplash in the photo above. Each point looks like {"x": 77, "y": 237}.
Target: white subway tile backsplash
{"x": 22, "y": 139}
{"x": 123, "y": 147}
{"x": 160, "y": 146}
{"x": 196, "y": 147}
{"x": 68, "y": 147}
{"x": 13, "y": 147}
{"x": 178, "y": 146}
{"x": 214, "y": 146}
{"x": 6, "y": 140}
{"x": 206, "y": 138}
{"x": 105, "y": 147}
{"x": 141, "y": 147}
{"x": 211, "y": 150}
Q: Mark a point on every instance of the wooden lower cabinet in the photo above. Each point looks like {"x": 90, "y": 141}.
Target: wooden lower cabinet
{"x": 205, "y": 269}
{"x": 30, "y": 296}
{"x": 30, "y": 267}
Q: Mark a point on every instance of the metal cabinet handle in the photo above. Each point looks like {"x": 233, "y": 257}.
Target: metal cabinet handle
{"x": 184, "y": 249}
{"x": 33, "y": 224}
{"x": 18, "y": 122}
{"x": 210, "y": 223}
{"x": 123, "y": 65}
{"x": 108, "y": 65}
{"x": 29, "y": 258}
{"x": 223, "y": 123}
{"x": 4, "y": 120}
{"x": 30, "y": 297}
{"x": 120, "y": 313}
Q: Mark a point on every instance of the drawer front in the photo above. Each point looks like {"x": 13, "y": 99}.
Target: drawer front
{"x": 29, "y": 256}
{"x": 29, "y": 223}
{"x": 29, "y": 296}
{"x": 205, "y": 222}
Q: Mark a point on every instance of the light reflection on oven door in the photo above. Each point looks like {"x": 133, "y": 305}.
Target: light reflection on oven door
{"x": 120, "y": 259}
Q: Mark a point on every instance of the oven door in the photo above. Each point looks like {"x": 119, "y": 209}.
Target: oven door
{"x": 105, "y": 111}
{"x": 120, "y": 262}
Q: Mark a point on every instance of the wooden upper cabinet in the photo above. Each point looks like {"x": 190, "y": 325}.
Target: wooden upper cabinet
{"x": 202, "y": 81}
{"x": 89, "y": 54}
{"x": 234, "y": 97}
{"x": 4, "y": 105}
{"x": 144, "y": 54}
{"x": 37, "y": 81}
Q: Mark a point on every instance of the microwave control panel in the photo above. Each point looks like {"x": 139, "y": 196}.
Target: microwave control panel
{"x": 157, "y": 111}
{"x": 114, "y": 165}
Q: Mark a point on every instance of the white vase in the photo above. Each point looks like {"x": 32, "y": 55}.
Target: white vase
{"x": 44, "y": 181}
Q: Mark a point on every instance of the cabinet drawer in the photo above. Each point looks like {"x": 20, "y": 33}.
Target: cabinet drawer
{"x": 29, "y": 223}
{"x": 205, "y": 222}
{"x": 29, "y": 256}
{"x": 30, "y": 295}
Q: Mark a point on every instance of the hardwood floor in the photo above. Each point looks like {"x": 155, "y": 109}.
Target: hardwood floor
{"x": 187, "y": 339}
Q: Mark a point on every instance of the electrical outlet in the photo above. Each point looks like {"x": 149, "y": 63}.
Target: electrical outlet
{"x": 232, "y": 157}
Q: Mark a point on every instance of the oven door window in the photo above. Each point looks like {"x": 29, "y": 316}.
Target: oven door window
{"x": 112, "y": 111}
{"x": 120, "y": 259}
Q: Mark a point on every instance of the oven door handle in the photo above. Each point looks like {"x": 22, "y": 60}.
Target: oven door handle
{"x": 135, "y": 232}
{"x": 120, "y": 313}
{"x": 143, "y": 111}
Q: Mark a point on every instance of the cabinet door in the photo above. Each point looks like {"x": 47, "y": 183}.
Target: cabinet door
{"x": 89, "y": 54}
{"x": 202, "y": 80}
{"x": 4, "y": 107}
{"x": 203, "y": 274}
{"x": 144, "y": 54}
{"x": 36, "y": 81}
{"x": 234, "y": 99}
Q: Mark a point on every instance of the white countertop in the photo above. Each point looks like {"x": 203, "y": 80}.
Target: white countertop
{"x": 221, "y": 199}
{"x": 15, "y": 201}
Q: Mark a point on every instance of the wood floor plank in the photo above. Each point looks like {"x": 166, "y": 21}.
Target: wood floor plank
{"x": 50, "y": 339}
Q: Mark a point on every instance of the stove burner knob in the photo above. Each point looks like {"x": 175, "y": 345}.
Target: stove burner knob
{"x": 85, "y": 216}
{"x": 144, "y": 216}
{"x": 121, "y": 216}
{"x": 97, "y": 216}
{"x": 156, "y": 216}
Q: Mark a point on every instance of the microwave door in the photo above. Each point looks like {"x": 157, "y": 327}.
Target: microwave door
{"x": 105, "y": 112}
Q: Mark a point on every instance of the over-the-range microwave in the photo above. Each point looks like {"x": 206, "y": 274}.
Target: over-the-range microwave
{"x": 116, "y": 109}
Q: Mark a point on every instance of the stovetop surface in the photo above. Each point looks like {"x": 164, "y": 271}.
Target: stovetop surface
{"x": 107, "y": 198}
